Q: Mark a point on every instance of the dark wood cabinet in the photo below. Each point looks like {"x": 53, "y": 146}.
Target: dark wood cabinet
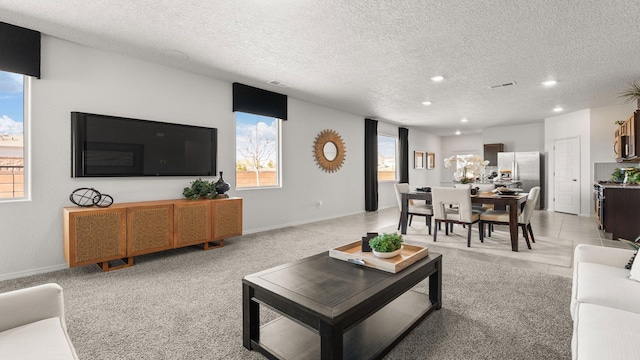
{"x": 617, "y": 210}
{"x": 491, "y": 153}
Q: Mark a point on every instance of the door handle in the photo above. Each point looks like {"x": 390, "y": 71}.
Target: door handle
{"x": 574, "y": 179}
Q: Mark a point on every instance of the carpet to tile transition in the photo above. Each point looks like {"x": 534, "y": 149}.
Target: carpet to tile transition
{"x": 546, "y": 250}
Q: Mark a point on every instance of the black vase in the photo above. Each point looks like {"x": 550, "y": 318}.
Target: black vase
{"x": 221, "y": 185}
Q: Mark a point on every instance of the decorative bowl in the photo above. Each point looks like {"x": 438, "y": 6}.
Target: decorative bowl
{"x": 387, "y": 255}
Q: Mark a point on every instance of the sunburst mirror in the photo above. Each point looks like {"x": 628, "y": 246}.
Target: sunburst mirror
{"x": 329, "y": 150}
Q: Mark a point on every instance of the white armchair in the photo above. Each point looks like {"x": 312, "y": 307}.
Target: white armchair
{"x": 32, "y": 324}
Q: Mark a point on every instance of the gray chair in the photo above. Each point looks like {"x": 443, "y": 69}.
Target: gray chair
{"x": 425, "y": 210}
{"x": 501, "y": 217}
{"x": 453, "y": 206}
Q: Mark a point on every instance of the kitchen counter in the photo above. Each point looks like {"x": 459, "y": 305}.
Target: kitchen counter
{"x": 614, "y": 185}
{"x": 617, "y": 210}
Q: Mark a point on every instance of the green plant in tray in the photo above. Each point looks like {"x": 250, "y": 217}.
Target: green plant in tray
{"x": 200, "y": 189}
{"x": 386, "y": 242}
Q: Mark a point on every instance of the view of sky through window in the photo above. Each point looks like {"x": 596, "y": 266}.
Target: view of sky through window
{"x": 11, "y": 104}
{"x": 386, "y": 157}
{"x": 11, "y": 135}
{"x": 257, "y": 150}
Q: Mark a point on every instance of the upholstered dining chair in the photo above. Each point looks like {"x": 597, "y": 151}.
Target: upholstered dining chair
{"x": 425, "y": 210}
{"x": 501, "y": 217}
{"x": 453, "y": 206}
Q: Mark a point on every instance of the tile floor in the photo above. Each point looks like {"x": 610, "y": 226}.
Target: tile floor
{"x": 580, "y": 229}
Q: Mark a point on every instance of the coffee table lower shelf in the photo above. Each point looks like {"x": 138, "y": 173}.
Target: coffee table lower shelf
{"x": 372, "y": 338}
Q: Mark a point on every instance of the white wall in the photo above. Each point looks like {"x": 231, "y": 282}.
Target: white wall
{"x": 525, "y": 137}
{"x": 575, "y": 124}
{"x": 458, "y": 145}
{"x": 427, "y": 143}
{"x": 77, "y": 78}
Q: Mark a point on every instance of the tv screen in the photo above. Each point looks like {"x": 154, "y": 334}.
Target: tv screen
{"x": 103, "y": 145}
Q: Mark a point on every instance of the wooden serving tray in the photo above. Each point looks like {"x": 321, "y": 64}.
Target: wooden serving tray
{"x": 353, "y": 253}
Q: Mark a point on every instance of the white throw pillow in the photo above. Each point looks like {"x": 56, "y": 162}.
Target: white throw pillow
{"x": 635, "y": 270}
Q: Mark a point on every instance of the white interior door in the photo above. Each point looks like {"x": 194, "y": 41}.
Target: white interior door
{"x": 566, "y": 179}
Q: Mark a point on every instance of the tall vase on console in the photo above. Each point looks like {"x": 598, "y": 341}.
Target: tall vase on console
{"x": 221, "y": 185}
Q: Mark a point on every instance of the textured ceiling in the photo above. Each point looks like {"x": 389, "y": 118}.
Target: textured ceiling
{"x": 375, "y": 58}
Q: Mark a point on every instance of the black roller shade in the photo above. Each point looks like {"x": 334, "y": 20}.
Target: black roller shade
{"x": 19, "y": 50}
{"x": 403, "y": 135}
{"x": 260, "y": 102}
{"x": 370, "y": 165}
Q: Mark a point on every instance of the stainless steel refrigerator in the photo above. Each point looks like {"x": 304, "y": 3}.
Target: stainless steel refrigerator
{"x": 526, "y": 167}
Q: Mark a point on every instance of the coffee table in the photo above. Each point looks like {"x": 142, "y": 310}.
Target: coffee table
{"x": 333, "y": 309}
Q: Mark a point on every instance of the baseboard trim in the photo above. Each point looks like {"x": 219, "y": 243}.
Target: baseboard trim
{"x": 37, "y": 271}
{"x": 302, "y": 222}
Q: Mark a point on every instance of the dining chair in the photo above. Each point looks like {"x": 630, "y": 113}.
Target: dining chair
{"x": 479, "y": 208}
{"x": 453, "y": 206}
{"x": 501, "y": 217}
{"x": 425, "y": 210}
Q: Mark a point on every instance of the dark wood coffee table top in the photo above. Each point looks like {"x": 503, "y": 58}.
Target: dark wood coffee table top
{"x": 331, "y": 296}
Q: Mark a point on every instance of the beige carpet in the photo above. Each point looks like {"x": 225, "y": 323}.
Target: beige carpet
{"x": 186, "y": 304}
{"x": 546, "y": 250}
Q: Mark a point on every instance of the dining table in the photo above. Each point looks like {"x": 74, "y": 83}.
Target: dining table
{"x": 512, "y": 203}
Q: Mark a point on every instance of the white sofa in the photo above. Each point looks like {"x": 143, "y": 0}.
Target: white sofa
{"x": 605, "y": 304}
{"x": 32, "y": 324}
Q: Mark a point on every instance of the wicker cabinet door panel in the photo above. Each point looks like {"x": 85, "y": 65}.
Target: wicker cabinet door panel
{"x": 149, "y": 229}
{"x": 97, "y": 236}
{"x": 226, "y": 218}
{"x": 192, "y": 223}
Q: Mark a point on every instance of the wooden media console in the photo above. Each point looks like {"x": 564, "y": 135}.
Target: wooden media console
{"x": 94, "y": 235}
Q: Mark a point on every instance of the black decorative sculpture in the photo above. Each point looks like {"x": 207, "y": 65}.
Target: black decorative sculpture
{"x": 87, "y": 197}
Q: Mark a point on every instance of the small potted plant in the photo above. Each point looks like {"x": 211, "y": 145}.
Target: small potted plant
{"x": 200, "y": 189}
{"x": 386, "y": 245}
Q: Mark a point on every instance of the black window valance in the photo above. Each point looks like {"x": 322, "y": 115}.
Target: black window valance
{"x": 257, "y": 101}
{"x": 19, "y": 50}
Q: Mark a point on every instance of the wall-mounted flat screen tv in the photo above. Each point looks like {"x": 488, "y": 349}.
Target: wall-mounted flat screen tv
{"x": 103, "y": 145}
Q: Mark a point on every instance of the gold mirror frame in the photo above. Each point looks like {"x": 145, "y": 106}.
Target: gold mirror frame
{"x": 324, "y": 137}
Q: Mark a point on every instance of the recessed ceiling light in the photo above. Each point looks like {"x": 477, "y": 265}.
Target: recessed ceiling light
{"x": 458, "y": 132}
{"x": 279, "y": 83}
{"x": 464, "y": 120}
{"x": 549, "y": 83}
{"x": 557, "y": 109}
{"x": 427, "y": 103}
{"x": 437, "y": 78}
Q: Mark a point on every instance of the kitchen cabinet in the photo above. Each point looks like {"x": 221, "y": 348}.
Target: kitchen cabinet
{"x": 626, "y": 143}
{"x": 491, "y": 153}
{"x": 617, "y": 210}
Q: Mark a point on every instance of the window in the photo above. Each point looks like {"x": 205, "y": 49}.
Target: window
{"x": 386, "y": 158}
{"x": 257, "y": 151}
{"x": 12, "y": 131}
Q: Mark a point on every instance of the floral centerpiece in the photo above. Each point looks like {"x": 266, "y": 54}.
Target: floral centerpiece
{"x": 468, "y": 168}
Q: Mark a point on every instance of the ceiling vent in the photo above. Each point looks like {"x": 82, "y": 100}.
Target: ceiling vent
{"x": 279, "y": 83}
{"x": 502, "y": 85}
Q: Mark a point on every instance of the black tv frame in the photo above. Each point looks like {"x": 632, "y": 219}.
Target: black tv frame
{"x": 134, "y": 168}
